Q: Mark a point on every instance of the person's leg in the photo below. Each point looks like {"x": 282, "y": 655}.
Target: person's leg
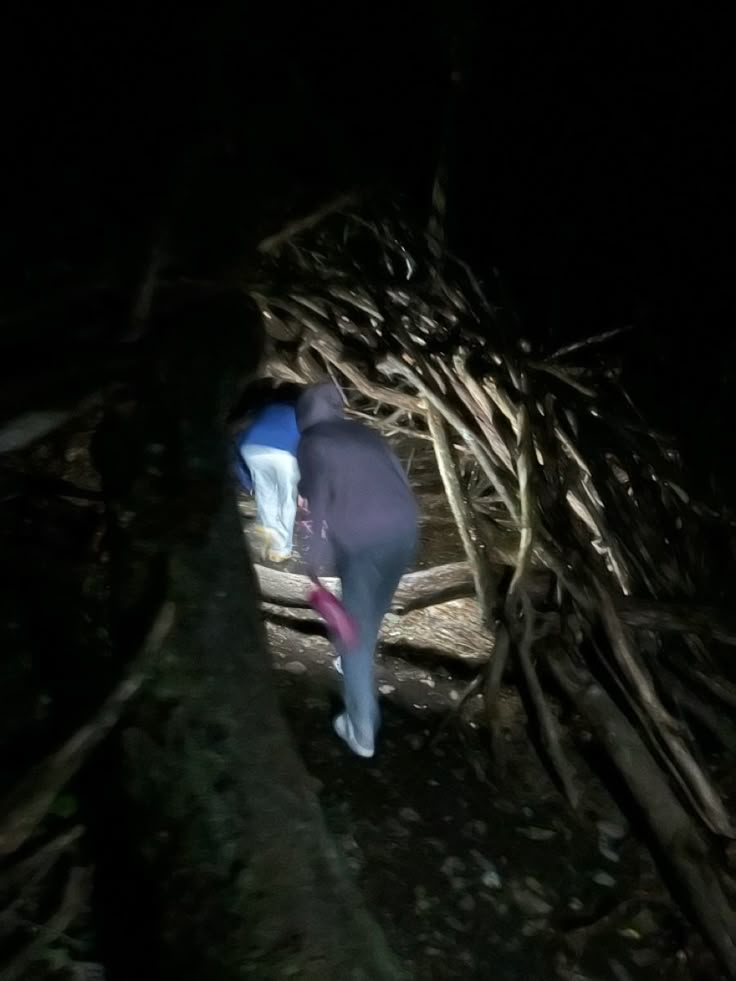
{"x": 287, "y": 480}
{"x": 259, "y": 461}
{"x": 369, "y": 580}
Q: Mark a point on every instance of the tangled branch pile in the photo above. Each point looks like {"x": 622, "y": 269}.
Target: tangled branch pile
{"x": 553, "y": 451}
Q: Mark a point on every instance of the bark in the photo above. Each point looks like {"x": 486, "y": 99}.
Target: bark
{"x": 233, "y": 854}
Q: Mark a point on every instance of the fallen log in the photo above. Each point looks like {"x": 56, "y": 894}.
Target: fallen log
{"x": 417, "y": 590}
{"x": 431, "y": 587}
{"x": 450, "y": 630}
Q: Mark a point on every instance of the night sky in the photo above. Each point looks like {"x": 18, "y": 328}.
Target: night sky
{"x": 590, "y": 157}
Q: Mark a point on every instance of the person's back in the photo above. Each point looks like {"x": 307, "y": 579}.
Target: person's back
{"x": 350, "y": 475}
{"x": 274, "y": 426}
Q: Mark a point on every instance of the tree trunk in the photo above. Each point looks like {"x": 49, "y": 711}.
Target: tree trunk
{"x": 234, "y": 859}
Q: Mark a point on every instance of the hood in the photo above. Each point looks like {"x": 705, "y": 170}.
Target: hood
{"x": 320, "y": 403}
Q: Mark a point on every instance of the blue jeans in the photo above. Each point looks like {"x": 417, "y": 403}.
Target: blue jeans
{"x": 369, "y": 577}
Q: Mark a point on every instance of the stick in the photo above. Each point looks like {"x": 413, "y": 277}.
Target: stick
{"x": 475, "y": 549}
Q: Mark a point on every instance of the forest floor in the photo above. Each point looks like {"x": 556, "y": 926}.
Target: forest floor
{"x": 475, "y": 868}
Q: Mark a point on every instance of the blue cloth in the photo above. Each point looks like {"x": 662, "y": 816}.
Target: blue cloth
{"x": 275, "y": 427}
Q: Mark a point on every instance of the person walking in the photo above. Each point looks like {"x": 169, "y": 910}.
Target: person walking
{"x": 266, "y": 466}
{"x": 364, "y": 528}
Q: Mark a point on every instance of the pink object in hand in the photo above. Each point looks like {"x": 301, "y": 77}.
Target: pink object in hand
{"x": 339, "y": 622}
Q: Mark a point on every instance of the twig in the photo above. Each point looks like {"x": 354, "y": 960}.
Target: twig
{"x": 299, "y": 225}
{"x": 601, "y": 338}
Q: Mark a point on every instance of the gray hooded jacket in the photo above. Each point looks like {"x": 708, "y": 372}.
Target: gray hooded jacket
{"x": 351, "y": 478}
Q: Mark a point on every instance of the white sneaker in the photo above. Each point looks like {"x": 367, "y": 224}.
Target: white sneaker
{"x": 344, "y": 728}
{"x": 338, "y": 665}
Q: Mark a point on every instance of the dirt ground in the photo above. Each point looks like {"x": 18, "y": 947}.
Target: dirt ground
{"x": 475, "y": 866}
{"x": 474, "y": 869}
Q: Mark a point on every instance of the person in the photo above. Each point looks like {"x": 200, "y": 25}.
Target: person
{"x": 266, "y": 466}
{"x": 364, "y": 528}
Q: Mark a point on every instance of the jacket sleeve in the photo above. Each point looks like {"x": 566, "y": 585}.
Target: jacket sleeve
{"x": 314, "y": 484}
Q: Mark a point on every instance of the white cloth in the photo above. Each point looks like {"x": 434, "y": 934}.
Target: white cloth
{"x": 275, "y": 475}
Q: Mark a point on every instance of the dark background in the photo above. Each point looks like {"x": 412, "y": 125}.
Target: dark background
{"x": 590, "y": 157}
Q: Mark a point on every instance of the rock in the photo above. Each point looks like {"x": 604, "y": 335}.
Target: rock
{"x": 614, "y": 830}
{"x": 456, "y": 924}
{"x": 607, "y": 852}
{"x": 396, "y": 830}
{"x": 386, "y": 689}
{"x": 504, "y": 806}
{"x": 646, "y": 958}
{"x": 532, "y": 927}
{"x": 475, "y": 829}
{"x": 452, "y": 865}
{"x": 644, "y": 922}
{"x": 491, "y": 877}
{"x": 466, "y": 903}
{"x": 534, "y": 884}
{"x": 528, "y": 902}
{"x": 295, "y": 667}
{"x": 409, "y": 814}
{"x": 602, "y": 878}
{"x": 534, "y": 833}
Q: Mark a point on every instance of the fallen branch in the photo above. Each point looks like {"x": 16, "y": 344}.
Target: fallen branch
{"x": 36, "y": 866}
{"x": 27, "y": 804}
{"x": 75, "y": 898}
